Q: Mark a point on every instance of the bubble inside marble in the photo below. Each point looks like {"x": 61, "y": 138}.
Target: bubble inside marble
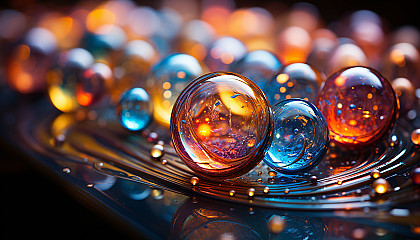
{"x": 221, "y": 125}
{"x": 300, "y": 137}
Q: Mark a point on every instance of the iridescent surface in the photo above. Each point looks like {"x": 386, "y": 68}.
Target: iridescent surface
{"x": 300, "y": 137}
{"x": 221, "y": 125}
{"x": 296, "y": 80}
{"x": 63, "y": 77}
{"x": 168, "y": 78}
{"x": 93, "y": 84}
{"x": 259, "y": 66}
{"x": 359, "y": 105}
{"x": 135, "y": 109}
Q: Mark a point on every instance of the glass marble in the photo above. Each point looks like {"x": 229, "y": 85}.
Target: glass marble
{"x": 359, "y": 105}
{"x": 415, "y": 136}
{"x": 296, "y": 80}
{"x": 346, "y": 54}
{"x": 29, "y": 61}
{"x": 221, "y": 125}
{"x": 223, "y": 52}
{"x": 300, "y": 138}
{"x": 168, "y": 78}
{"x": 93, "y": 84}
{"x": 135, "y": 109}
{"x": 259, "y": 66}
{"x": 133, "y": 66}
{"x": 402, "y": 60}
{"x": 64, "y": 76}
{"x": 406, "y": 93}
{"x": 103, "y": 40}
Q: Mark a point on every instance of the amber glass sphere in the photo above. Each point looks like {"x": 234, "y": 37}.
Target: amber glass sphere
{"x": 359, "y": 106}
{"x": 221, "y": 125}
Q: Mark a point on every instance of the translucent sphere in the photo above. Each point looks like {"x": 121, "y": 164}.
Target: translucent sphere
{"x": 133, "y": 66}
{"x": 221, "y": 125}
{"x": 296, "y": 80}
{"x": 402, "y": 60}
{"x": 406, "y": 93}
{"x": 104, "y": 40}
{"x": 135, "y": 109}
{"x": 259, "y": 66}
{"x": 169, "y": 77}
{"x": 359, "y": 105}
{"x": 223, "y": 52}
{"x": 300, "y": 137}
{"x": 64, "y": 76}
{"x": 93, "y": 84}
{"x": 344, "y": 55}
{"x": 29, "y": 61}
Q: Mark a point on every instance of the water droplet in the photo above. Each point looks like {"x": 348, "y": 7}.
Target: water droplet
{"x": 314, "y": 179}
{"x": 59, "y": 140}
{"x": 309, "y": 156}
{"x": 393, "y": 140}
{"x": 153, "y": 137}
{"x": 66, "y": 170}
{"x": 157, "y": 194}
{"x": 296, "y": 131}
{"x": 339, "y": 182}
{"x": 232, "y": 193}
{"x": 194, "y": 181}
{"x": 90, "y": 185}
{"x": 272, "y": 173}
{"x": 352, "y": 106}
{"x": 375, "y": 173}
{"x": 286, "y": 191}
{"x": 276, "y": 224}
{"x": 251, "y": 192}
{"x": 380, "y": 186}
{"x": 157, "y": 151}
{"x": 164, "y": 162}
{"x": 266, "y": 189}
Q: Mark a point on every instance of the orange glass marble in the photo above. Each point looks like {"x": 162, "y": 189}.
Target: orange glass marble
{"x": 359, "y": 106}
{"x": 221, "y": 125}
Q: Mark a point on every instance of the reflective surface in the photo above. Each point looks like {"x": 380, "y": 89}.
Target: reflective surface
{"x": 113, "y": 169}
{"x": 300, "y": 137}
{"x": 221, "y": 125}
{"x": 359, "y": 105}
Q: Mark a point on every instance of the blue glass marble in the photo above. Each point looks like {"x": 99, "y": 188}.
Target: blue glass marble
{"x": 300, "y": 137}
{"x": 296, "y": 80}
{"x": 135, "y": 109}
{"x": 260, "y": 66}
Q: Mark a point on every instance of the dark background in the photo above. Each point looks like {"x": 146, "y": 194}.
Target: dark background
{"x": 34, "y": 206}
